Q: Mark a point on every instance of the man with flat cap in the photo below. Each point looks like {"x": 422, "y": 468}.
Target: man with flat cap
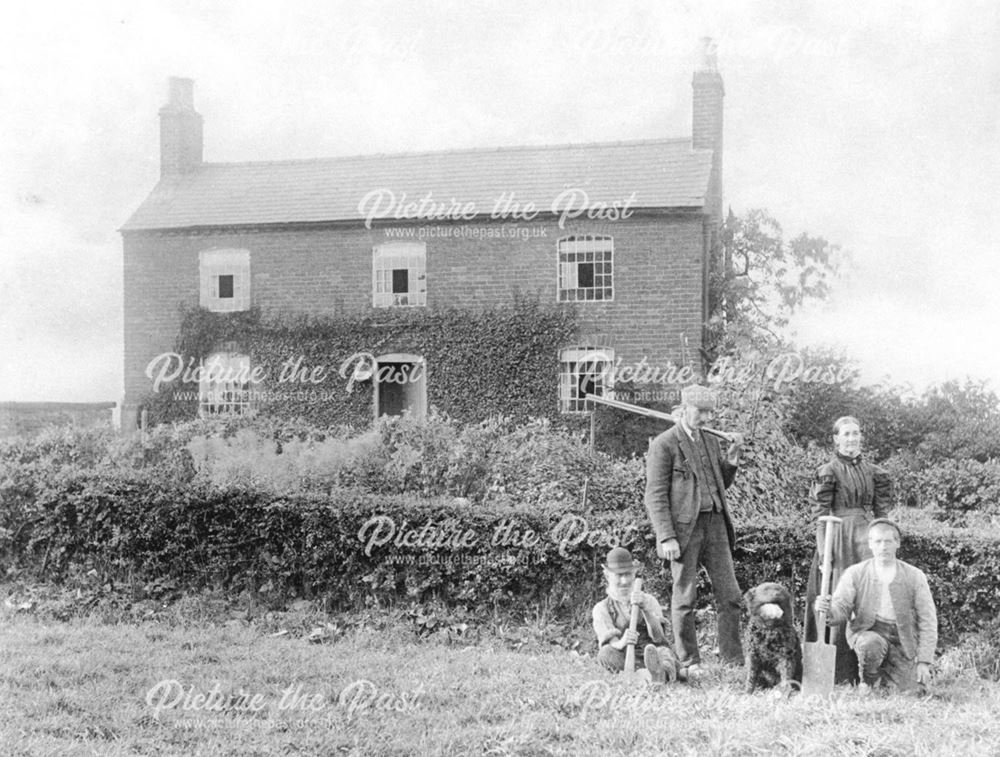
{"x": 686, "y": 480}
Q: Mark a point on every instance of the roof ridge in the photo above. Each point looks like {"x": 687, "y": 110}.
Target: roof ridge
{"x": 464, "y": 151}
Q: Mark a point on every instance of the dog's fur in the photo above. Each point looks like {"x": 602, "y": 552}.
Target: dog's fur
{"x": 774, "y": 654}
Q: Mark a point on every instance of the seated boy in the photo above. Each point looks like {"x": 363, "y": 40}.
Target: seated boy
{"x": 612, "y": 616}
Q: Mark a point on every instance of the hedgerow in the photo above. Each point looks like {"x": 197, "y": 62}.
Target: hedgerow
{"x": 352, "y": 547}
{"x": 277, "y": 510}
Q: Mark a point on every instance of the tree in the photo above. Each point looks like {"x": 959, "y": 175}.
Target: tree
{"x": 890, "y": 422}
{"x": 961, "y": 420}
{"x": 943, "y": 441}
{"x": 757, "y": 281}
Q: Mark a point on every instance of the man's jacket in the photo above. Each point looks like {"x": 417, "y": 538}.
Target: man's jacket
{"x": 857, "y": 597}
{"x": 673, "y": 497}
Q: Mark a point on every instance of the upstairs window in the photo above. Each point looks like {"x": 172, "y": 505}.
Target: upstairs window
{"x": 585, "y": 268}
{"x": 583, "y": 371}
{"x": 225, "y": 386}
{"x": 225, "y": 280}
{"x": 399, "y": 275}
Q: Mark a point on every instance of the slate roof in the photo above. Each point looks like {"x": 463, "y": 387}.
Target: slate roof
{"x": 662, "y": 173}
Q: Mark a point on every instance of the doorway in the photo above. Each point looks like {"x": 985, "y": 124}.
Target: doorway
{"x": 400, "y": 385}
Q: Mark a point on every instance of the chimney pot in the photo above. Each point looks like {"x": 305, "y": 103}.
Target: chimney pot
{"x": 708, "y": 57}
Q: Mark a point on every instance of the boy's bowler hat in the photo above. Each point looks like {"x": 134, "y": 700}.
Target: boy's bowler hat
{"x": 620, "y": 560}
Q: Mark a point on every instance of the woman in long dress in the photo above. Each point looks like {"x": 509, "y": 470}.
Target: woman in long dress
{"x": 857, "y": 491}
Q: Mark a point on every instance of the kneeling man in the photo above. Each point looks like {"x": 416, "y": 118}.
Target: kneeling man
{"x": 893, "y": 622}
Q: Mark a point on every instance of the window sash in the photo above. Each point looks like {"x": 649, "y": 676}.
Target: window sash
{"x": 226, "y": 389}
{"x": 586, "y": 265}
{"x": 225, "y": 280}
{"x": 583, "y": 370}
{"x": 399, "y": 275}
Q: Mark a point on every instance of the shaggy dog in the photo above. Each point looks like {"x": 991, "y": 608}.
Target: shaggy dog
{"x": 774, "y": 655}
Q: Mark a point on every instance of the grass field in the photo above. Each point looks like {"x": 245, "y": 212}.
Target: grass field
{"x": 84, "y": 687}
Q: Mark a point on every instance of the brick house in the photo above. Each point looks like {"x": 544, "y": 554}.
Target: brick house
{"x": 622, "y": 229}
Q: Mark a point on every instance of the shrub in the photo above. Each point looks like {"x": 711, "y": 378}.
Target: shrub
{"x": 953, "y": 420}
{"x": 355, "y": 547}
{"x": 538, "y": 464}
{"x": 249, "y": 459}
{"x": 962, "y": 420}
{"x": 904, "y": 470}
{"x": 494, "y": 460}
{"x": 954, "y": 491}
{"x": 775, "y": 474}
{"x": 277, "y": 509}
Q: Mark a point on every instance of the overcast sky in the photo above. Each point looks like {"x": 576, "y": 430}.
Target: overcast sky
{"x": 871, "y": 124}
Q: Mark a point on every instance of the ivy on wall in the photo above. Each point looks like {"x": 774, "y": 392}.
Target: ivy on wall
{"x": 502, "y": 360}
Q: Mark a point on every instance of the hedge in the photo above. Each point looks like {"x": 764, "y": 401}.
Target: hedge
{"x": 352, "y": 547}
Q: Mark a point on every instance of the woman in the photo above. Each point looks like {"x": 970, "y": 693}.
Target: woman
{"x": 856, "y": 491}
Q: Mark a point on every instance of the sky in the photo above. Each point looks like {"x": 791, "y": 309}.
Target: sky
{"x": 871, "y": 124}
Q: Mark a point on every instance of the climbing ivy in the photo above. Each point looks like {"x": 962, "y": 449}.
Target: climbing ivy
{"x": 501, "y": 360}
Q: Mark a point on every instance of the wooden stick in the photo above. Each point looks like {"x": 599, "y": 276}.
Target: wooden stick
{"x": 638, "y": 410}
{"x": 829, "y": 521}
{"x": 633, "y": 624}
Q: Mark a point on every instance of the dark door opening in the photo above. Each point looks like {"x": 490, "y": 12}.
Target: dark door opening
{"x": 400, "y": 385}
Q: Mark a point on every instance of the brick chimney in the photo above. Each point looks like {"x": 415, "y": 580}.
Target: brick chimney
{"x": 180, "y": 130}
{"x": 706, "y": 126}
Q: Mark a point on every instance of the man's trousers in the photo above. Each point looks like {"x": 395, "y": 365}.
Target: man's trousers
{"x": 709, "y": 546}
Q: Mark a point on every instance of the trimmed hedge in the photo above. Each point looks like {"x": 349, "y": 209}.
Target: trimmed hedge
{"x": 353, "y": 547}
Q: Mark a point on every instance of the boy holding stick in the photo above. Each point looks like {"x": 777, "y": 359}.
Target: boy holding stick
{"x": 612, "y": 617}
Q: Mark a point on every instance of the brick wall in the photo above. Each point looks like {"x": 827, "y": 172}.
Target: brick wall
{"x": 658, "y": 280}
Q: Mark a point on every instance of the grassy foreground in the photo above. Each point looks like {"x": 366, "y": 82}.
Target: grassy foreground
{"x": 156, "y": 688}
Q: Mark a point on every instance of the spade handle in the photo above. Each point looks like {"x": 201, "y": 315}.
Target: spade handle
{"x": 830, "y": 522}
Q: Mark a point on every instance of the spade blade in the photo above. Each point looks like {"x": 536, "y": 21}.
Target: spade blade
{"x": 819, "y": 662}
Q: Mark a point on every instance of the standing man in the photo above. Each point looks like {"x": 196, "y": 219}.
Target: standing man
{"x": 893, "y": 621}
{"x": 686, "y": 480}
